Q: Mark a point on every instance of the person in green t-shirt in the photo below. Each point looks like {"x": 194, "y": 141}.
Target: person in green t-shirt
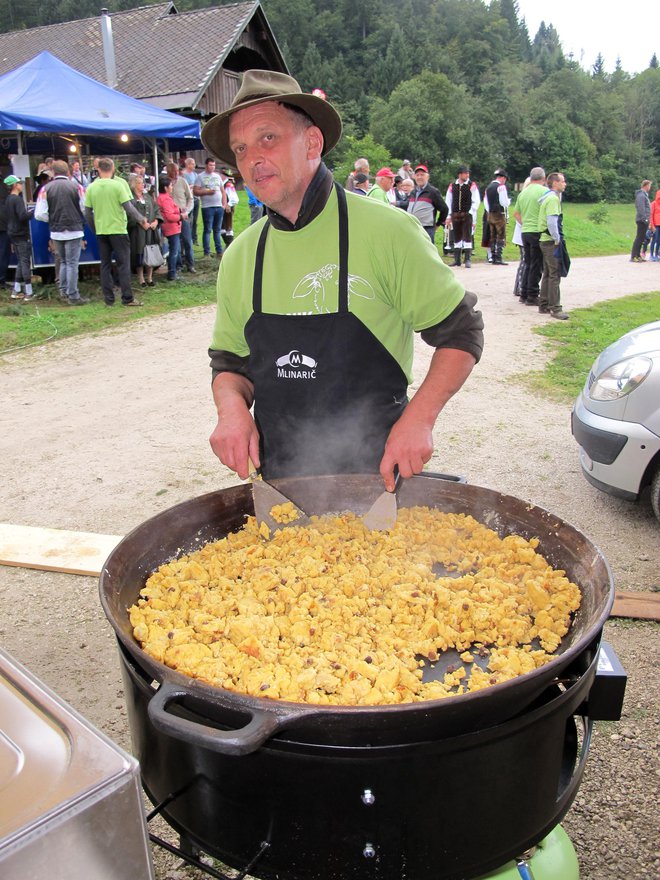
{"x": 527, "y": 214}
{"x": 318, "y": 303}
{"x": 550, "y": 224}
{"x": 108, "y": 204}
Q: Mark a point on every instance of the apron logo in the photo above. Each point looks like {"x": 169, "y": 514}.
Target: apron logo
{"x": 295, "y": 365}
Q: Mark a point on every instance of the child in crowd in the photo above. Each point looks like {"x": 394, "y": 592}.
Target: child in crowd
{"x": 18, "y": 230}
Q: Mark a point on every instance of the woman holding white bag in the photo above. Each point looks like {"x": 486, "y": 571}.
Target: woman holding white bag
{"x": 142, "y": 240}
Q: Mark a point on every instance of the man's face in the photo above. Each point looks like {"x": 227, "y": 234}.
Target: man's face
{"x": 275, "y": 155}
{"x": 386, "y": 183}
{"x": 210, "y": 166}
{"x": 463, "y": 176}
{"x": 421, "y": 178}
{"x": 560, "y": 185}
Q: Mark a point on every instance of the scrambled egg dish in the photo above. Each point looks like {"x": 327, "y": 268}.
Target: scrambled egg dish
{"x": 337, "y": 614}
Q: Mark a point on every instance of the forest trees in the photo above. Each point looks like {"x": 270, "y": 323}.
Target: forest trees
{"x": 450, "y": 81}
{"x": 461, "y": 81}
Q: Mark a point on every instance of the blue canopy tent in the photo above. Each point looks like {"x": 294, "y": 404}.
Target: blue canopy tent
{"x": 48, "y": 97}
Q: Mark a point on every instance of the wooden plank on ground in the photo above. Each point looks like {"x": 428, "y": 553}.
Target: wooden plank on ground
{"x": 644, "y": 606}
{"x": 55, "y": 549}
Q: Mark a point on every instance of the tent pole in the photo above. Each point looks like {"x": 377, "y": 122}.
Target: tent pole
{"x": 155, "y": 148}
{"x": 19, "y": 149}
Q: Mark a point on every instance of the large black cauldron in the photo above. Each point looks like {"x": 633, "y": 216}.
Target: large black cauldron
{"x": 440, "y": 790}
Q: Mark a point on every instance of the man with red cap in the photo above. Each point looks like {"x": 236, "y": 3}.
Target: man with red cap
{"x": 318, "y": 303}
{"x": 382, "y": 186}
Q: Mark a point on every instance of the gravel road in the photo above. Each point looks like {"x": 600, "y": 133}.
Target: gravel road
{"x": 102, "y": 432}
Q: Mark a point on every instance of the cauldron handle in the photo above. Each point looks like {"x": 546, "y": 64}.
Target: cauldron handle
{"x": 261, "y": 726}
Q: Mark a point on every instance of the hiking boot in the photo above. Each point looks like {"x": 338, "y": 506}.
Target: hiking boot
{"x": 561, "y": 316}
{"x": 468, "y": 263}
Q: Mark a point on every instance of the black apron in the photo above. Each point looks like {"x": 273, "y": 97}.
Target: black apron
{"x": 326, "y": 391}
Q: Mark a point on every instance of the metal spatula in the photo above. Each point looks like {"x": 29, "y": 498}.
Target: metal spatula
{"x": 381, "y": 516}
{"x": 266, "y": 497}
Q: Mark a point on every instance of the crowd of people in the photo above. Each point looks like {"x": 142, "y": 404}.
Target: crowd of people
{"x": 139, "y": 223}
{"x": 455, "y": 213}
{"x": 538, "y": 212}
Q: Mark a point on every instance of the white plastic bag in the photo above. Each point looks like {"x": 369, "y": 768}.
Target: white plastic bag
{"x": 41, "y": 207}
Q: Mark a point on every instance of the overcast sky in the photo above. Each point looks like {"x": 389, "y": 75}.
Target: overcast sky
{"x": 587, "y": 27}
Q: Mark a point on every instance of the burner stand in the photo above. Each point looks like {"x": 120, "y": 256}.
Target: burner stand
{"x": 554, "y": 858}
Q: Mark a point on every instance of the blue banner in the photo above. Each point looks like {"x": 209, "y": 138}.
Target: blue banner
{"x": 43, "y": 256}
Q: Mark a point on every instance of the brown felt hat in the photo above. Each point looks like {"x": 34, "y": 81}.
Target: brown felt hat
{"x": 268, "y": 85}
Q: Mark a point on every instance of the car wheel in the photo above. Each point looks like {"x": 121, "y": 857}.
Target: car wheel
{"x": 655, "y": 493}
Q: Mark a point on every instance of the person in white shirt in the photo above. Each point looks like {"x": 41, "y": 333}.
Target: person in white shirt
{"x": 213, "y": 201}
{"x": 496, "y": 206}
{"x": 463, "y": 201}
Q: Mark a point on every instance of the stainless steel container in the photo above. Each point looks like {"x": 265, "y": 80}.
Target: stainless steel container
{"x": 70, "y": 801}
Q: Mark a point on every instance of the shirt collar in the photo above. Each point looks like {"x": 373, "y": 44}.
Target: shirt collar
{"x": 314, "y": 201}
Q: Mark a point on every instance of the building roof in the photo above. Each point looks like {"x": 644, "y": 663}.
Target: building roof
{"x": 162, "y": 56}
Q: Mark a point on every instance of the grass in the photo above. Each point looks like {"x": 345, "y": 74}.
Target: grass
{"x": 578, "y": 342}
{"x": 583, "y": 237}
{"x": 588, "y": 239}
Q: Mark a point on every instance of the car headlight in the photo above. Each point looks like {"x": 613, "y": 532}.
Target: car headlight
{"x": 620, "y": 379}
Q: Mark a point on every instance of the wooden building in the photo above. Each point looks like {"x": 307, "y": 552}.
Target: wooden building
{"x": 187, "y": 62}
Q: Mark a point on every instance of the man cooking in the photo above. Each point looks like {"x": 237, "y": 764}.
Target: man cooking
{"x": 318, "y": 303}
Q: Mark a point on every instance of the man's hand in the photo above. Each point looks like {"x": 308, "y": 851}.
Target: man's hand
{"x": 408, "y": 447}
{"x": 235, "y": 438}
